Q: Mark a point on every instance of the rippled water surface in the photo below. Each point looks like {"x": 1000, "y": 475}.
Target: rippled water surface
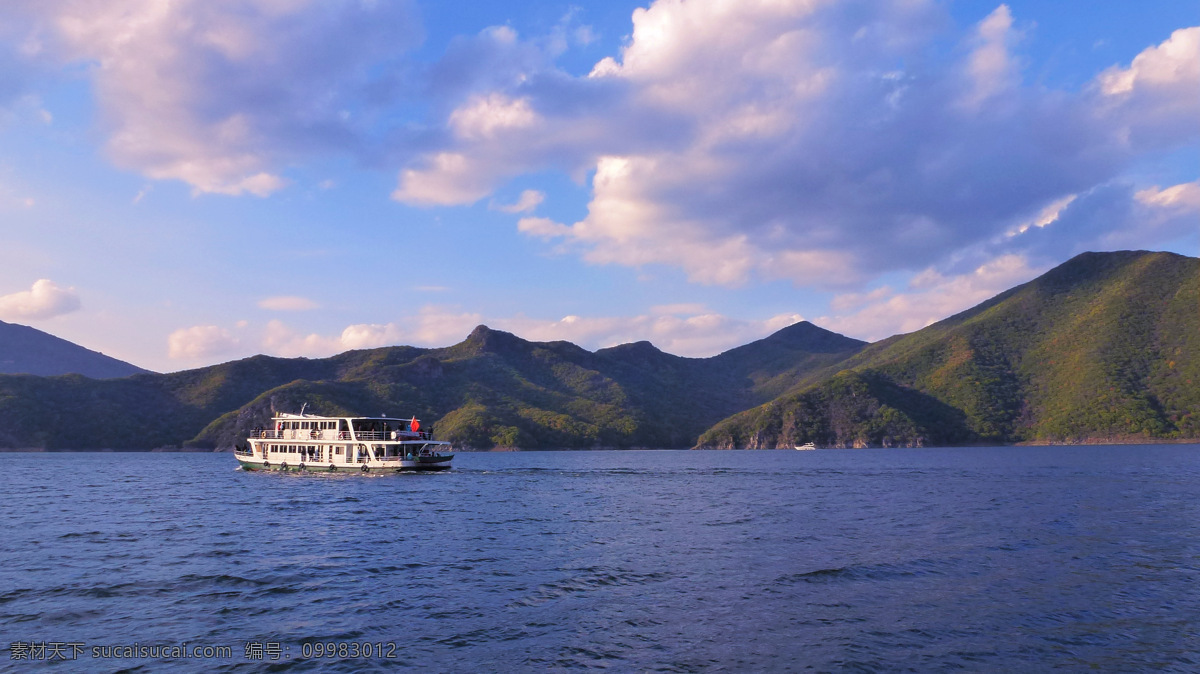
{"x": 982, "y": 559}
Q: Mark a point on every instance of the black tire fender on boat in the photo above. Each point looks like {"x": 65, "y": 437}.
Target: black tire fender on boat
{"x": 283, "y": 466}
{"x": 366, "y": 468}
{"x": 332, "y": 468}
{"x": 302, "y": 466}
{"x": 266, "y": 464}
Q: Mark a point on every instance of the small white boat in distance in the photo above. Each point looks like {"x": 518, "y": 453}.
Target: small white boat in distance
{"x": 308, "y": 442}
{"x": 807, "y": 445}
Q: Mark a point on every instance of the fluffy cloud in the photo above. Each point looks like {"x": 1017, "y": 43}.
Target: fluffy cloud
{"x": 281, "y": 340}
{"x": 930, "y": 297}
{"x": 1155, "y": 102}
{"x": 448, "y": 179}
{"x": 200, "y": 342}
{"x": 219, "y": 95}
{"x": 528, "y": 201}
{"x": 44, "y": 300}
{"x": 1108, "y": 217}
{"x": 991, "y": 68}
{"x": 820, "y": 142}
{"x": 432, "y": 326}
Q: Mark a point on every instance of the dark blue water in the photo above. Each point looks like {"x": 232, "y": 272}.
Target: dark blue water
{"x": 923, "y": 560}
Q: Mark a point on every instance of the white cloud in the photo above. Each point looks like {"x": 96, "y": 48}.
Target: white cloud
{"x": 487, "y": 116}
{"x": 200, "y": 342}
{"x": 1155, "y": 102}
{"x": 44, "y": 300}
{"x": 542, "y": 227}
{"x": 1168, "y": 65}
{"x": 528, "y": 201}
{"x": 449, "y": 179}
{"x": 287, "y": 303}
{"x": 1111, "y": 216}
{"x": 931, "y": 296}
{"x": 220, "y": 95}
{"x": 440, "y": 326}
{"x": 280, "y": 340}
{"x": 820, "y": 142}
{"x": 432, "y": 326}
{"x": 369, "y": 336}
{"x": 1183, "y": 198}
{"x": 990, "y": 66}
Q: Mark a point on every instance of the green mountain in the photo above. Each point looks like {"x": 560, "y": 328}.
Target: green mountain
{"x": 492, "y": 389}
{"x": 30, "y": 351}
{"x": 1105, "y": 347}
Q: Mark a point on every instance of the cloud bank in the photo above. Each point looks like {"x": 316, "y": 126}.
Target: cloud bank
{"x": 685, "y": 330}
{"x": 818, "y": 142}
{"x": 221, "y": 95}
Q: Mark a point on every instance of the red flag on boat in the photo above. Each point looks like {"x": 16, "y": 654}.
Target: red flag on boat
{"x": 416, "y": 425}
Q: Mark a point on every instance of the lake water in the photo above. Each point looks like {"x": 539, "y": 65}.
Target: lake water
{"x": 984, "y": 559}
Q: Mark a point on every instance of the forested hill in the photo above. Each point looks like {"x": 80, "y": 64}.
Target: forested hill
{"x": 1104, "y": 348}
{"x": 28, "y": 350}
{"x": 492, "y": 389}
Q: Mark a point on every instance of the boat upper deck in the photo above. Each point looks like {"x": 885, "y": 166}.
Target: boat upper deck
{"x": 349, "y": 429}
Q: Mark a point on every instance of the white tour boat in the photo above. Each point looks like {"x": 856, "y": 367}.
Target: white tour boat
{"x": 807, "y": 445}
{"x": 307, "y": 442}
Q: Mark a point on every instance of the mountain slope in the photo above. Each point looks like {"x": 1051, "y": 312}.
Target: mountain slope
{"x": 1104, "y": 347}
{"x": 26, "y": 350}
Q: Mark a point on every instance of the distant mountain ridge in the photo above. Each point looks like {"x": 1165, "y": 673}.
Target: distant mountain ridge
{"x": 1105, "y": 347}
{"x": 26, "y": 350}
{"x": 491, "y": 389}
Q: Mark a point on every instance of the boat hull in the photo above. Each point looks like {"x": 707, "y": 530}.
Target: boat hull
{"x": 422, "y": 464}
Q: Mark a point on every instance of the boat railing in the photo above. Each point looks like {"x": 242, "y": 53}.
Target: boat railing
{"x": 330, "y": 434}
{"x": 300, "y": 434}
{"x": 394, "y": 435}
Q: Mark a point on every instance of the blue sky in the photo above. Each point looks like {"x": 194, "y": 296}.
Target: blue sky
{"x": 187, "y": 183}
